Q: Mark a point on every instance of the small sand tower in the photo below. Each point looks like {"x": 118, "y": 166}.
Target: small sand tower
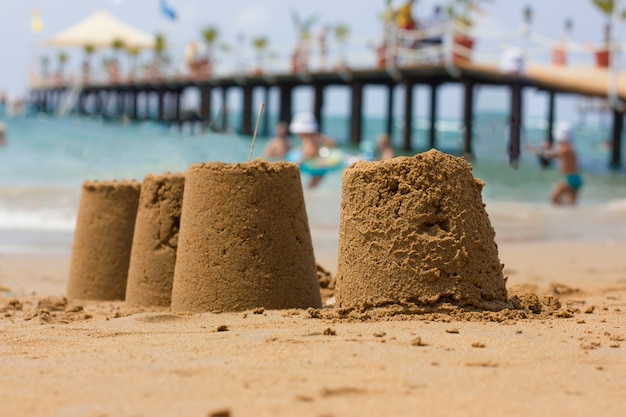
{"x": 102, "y": 240}
{"x": 153, "y": 255}
{"x": 244, "y": 240}
{"x": 415, "y": 231}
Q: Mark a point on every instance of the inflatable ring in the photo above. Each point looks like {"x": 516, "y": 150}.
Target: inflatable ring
{"x": 328, "y": 160}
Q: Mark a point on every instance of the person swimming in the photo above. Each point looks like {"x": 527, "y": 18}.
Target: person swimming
{"x": 279, "y": 145}
{"x": 305, "y": 126}
{"x": 566, "y": 191}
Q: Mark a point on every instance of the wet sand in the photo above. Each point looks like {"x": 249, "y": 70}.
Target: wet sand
{"x": 107, "y": 359}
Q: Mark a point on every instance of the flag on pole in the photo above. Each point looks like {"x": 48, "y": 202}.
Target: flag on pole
{"x": 167, "y": 10}
{"x": 36, "y": 25}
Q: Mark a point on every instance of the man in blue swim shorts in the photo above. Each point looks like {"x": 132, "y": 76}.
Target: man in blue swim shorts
{"x": 565, "y": 192}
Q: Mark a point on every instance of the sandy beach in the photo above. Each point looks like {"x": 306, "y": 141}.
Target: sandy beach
{"x": 105, "y": 359}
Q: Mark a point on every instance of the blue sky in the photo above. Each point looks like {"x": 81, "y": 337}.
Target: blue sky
{"x": 19, "y": 47}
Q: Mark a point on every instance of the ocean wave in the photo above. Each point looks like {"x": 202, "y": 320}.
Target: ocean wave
{"x": 41, "y": 219}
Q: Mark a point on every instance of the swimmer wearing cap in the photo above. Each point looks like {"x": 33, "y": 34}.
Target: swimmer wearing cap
{"x": 305, "y": 126}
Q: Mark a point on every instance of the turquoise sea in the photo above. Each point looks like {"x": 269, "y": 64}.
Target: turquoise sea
{"x": 46, "y": 159}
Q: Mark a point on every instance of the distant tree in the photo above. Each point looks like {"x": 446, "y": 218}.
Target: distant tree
{"x": 89, "y": 50}
{"x": 62, "y": 58}
{"x": 160, "y": 48}
{"x": 606, "y": 7}
{"x": 117, "y": 45}
{"x": 133, "y": 54}
{"x": 342, "y": 33}
{"x": 303, "y": 39}
{"x": 210, "y": 35}
{"x": 260, "y": 44}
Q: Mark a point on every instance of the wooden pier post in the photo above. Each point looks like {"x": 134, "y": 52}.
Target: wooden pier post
{"x": 408, "y": 116}
{"x": 389, "y": 127}
{"x": 120, "y": 104}
{"x": 285, "y": 103}
{"x": 468, "y": 115}
{"x": 551, "y": 108}
{"x": 266, "y": 112}
{"x": 432, "y": 136}
{"x": 205, "y": 103}
{"x": 356, "y": 113}
{"x": 134, "y": 98}
{"x": 44, "y": 103}
{"x": 318, "y": 104}
{"x": 224, "y": 108}
{"x": 160, "y": 105}
{"x": 515, "y": 125}
{"x": 178, "y": 106}
{"x": 148, "y": 96}
{"x": 616, "y": 148}
{"x": 82, "y": 103}
{"x": 246, "y": 117}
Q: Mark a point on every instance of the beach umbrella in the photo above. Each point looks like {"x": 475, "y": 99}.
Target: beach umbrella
{"x": 100, "y": 30}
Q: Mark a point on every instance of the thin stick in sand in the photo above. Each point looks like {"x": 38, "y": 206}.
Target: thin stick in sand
{"x": 256, "y": 128}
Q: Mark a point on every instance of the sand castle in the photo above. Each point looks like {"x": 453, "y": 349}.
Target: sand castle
{"x": 155, "y": 240}
{"x": 102, "y": 240}
{"x": 244, "y": 240}
{"x": 415, "y": 231}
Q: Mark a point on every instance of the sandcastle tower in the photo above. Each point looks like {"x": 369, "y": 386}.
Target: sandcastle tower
{"x": 102, "y": 240}
{"x": 415, "y": 231}
{"x": 244, "y": 240}
{"x": 155, "y": 240}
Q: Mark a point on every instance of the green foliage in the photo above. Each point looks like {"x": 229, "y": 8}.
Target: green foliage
{"x": 160, "y": 43}
{"x": 89, "y": 49}
{"x": 260, "y": 43}
{"x": 117, "y": 44}
{"x": 342, "y": 32}
{"x": 62, "y": 57}
{"x": 607, "y": 7}
{"x": 303, "y": 26}
{"x": 463, "y": 11}
{"x": 210, "y": 35}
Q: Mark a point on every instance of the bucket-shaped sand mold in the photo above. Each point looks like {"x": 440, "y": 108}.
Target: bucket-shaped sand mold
{"x": 153, "y": 255}
{"x": 244, "y": 240}
{"x": 102, "y": 240}
{"x": 414, "y": 231}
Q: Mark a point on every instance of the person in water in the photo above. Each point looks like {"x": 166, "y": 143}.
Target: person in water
{"x": 383, "y": 147}
{"x": 305, "y": 126}
{"x": 279, "y": 145}
{"x": 566, "y": 191}
{"x": 2, "y": 134}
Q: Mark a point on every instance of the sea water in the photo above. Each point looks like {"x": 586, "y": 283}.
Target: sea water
{"x": 46, "y": 159}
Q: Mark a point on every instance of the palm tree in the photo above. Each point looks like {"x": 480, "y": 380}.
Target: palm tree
{"x": 342, "y": 33}
{"x": 117, "y": 45}
{"x": 303, "y": 33}
{"x": 160, "y": 46}
{"x": 606, "y": 7}
{"x": 209, "y": 36}
{"x": 260, "y": 44}
{"x": 133, "y": 53}
{"x": 89, "y": 50}
{"x": 62, "y": 58}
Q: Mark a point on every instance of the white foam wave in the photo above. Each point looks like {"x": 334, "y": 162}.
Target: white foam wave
{"x": 41, "y": 219}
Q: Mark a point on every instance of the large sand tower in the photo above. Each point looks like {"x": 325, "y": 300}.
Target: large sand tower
{"x": 244, "y": 240}
{"x": 102, "y": 240}
{"x": 415, "y": 231}
{"x": 153, "y": 255}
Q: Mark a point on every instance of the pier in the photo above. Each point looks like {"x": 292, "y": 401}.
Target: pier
{"x": 159, "y": 98}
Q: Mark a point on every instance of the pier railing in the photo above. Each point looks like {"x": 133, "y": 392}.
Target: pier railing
{"x": 436, "y": 45}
